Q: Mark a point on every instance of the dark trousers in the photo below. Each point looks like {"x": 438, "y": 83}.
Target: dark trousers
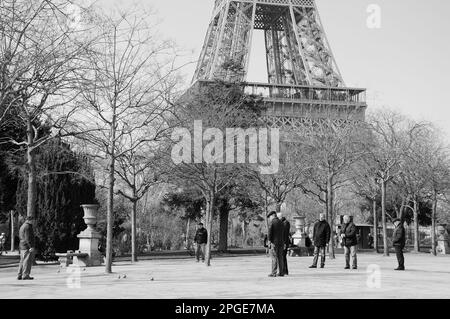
{"x": 322, "y": 252}
{"x": 200, "y": 251}
{"x": 26, "y": 261}
{"x": 277, "y": 259}
{"x": 400, "y": 257}
{"x": 285, "y": 264}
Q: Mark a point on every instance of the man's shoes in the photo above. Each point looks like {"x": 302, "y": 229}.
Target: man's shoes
{"x": 19, "y": 277}
{"x": 347, "y": 267}
{"x": 28, "y": 278}
{"x": 400, "y": 268}
{"x": 322, "y": 266}
{"x": 355, "y": 267}
{"x": 312, "y": 266}
{"x": 272, "y": 275}
{"x": 280, "y": 275}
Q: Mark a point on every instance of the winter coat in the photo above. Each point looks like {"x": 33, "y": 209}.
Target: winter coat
{"x": 201, "y": 236}
{"x": 350, "y": 238}
{"x": 399, "y": 237}
{"x": 276, "y": 232}
{"x": 287, "y": 231}
{"x": 321, "y": 233}
{"x": 26, "y": 235}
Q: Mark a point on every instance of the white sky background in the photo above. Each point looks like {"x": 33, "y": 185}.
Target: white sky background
{"x": 404, "y": 65}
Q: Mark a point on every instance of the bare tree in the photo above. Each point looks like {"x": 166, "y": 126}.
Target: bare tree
{"x": 138, "y": 170}
{"x": 366, "y": 185}
{"x": 127, "y": 91}
{"x": 437, "y": 171}
{"x": 41, "y": 59}
{"x": 217, "y": 106}
{"x": 333, "y": 148}
{"x": 392, "y": 136}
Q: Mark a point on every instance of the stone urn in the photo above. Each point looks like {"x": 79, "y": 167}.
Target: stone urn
{"x": 90, "y": 216}
{"x": 298, "y": 237}
{"x": 89, "y": 238}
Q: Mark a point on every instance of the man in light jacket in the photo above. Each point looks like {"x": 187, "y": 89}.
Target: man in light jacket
{"x": 27, "y": 249}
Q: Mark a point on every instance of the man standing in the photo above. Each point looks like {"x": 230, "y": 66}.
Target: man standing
{"x": 399, "y": 241}
{"x": 27, "y": 243}
{"x": 321, "y": 238}
{"x": 349, "y": 241}
{"x": 201, "y": 237}
{"x": 2, "y": 243}
{"x": 287, "y": 241}
{"x": 276, "y": 244}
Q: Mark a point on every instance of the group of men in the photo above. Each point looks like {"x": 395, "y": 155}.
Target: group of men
{"x": 279, "y": 242}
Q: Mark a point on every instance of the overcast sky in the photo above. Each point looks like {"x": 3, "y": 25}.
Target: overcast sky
{"x": 405, "y": 64}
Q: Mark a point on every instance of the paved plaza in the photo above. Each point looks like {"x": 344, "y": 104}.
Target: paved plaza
{"x": 238, "y": 277}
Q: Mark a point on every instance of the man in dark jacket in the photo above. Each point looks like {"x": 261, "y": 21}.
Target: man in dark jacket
{"x": 321, "y": 238}
{"x": 287, "y": 241}
{"x": 350, "y": 242}
{"x": 26, "y": 246}
{"x": 399, "y": 241}
{"x": 201, "y": 238}
{"x": 276, "y": 244}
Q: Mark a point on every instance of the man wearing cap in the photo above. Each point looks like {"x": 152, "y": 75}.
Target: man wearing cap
{"x": 287, "y": 241}
{"x": 201, "y": 237}
{"x": 399, "y": 241}
{"x": 350, "y": 241}
{"x": 26, "y": 246}
{"x": 276, "y": 244}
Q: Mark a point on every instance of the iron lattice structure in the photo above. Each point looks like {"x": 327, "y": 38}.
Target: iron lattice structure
{"x": 304, "y": 83}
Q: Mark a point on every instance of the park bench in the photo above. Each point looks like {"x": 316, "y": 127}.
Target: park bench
{"x": 71, "y": 257}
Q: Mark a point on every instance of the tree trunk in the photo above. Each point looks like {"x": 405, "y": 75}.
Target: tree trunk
{"x": 31, "y": 170}
{"x": 188, "y": 226}
{"x": 110, "y": 206}
{"x": 266, "y": 207}
{"x": 375, "y": 226}
{"x": 223, "y": 228}
{"x": 383, "y": 218}
{"x": 244, "y": 235}
{"x": 330, "y": 200}
{"x": 109, "y": 217}
{"x": 209, "y": 220}
{"x": 416, "y": 227}
{"x": 133, "y": 233}
{"x": 278, "y": 206}
{"x": 400, "y": 213}
{"x": 433, "y": 226}
{"x": 12, "y": 235}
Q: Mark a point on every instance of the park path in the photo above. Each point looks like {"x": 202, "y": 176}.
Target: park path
{"x": 239, "y": 277}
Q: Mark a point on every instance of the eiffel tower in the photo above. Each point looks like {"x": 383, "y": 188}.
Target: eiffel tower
{"x": 304, "y": 86}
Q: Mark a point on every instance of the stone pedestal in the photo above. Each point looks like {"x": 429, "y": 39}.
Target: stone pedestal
{"x": 443, "y": 246}
{"x": 89, "y": 239}
{"x": 299, "y": 236}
